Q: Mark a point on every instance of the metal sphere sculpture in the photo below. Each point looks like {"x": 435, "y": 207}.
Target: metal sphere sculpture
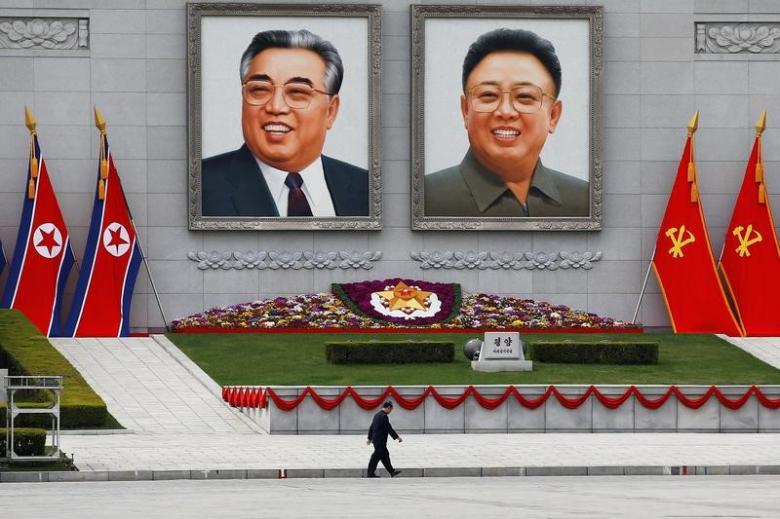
{"x": 471, "y": 349}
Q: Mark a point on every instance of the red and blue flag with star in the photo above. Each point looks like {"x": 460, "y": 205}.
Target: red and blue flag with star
{"x": 43, "y": 256}
{"x": 101, "y": 304}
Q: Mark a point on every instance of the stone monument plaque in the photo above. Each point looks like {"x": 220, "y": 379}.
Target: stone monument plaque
{"x": 501, "y": 351}
{"x": 501, "y": 346}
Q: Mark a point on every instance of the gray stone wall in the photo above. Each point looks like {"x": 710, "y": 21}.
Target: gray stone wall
{"x": 134, "y": 70}
{"x": 512, "y": 417}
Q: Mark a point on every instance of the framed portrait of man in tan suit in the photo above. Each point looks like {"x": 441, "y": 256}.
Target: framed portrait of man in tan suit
{"x": 506, "y": 132}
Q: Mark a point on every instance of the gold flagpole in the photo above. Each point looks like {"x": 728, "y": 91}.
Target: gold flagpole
{"x": 100, "y": 124}
{"x": 693, "y": 125}
{"x": 760, "y": 127}
{"x": 29, "y": 121}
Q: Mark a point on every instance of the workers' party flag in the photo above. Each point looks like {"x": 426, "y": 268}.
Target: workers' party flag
{"x": 101, "y": 305}
{"x": 683, "y": 259}
{"x": 750, "y": 260}
{"x": 43, "y": 256}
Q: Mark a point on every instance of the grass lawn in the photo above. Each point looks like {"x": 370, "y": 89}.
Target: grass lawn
{"x": 299, "y": 359}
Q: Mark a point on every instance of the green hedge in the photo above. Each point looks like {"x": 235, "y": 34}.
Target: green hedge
{"x": 24, "y": 351}
{"x": 595, "y": 352}
{"x": 27, "y": 442}
{"x": 389, "y": 352}
{"x": 82, "y": 415}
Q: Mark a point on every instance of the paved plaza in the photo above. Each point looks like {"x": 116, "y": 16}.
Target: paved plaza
{"x": 178, "y": 427}
{"x": 731, "y": 497}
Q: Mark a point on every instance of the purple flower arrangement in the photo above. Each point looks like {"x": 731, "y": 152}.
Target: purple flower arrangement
{"x": 347, "y": 308}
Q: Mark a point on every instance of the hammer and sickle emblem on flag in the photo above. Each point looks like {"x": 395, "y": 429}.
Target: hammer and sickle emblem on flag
{"x": 679, "y": 240}
{"x": 750, "y": 237}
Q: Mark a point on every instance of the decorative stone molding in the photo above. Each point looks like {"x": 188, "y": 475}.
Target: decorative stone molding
{"x": 738, "y": 37}
{"x": 506, "y": 260}
{"x": 274, "y": 260}
{"x": 59, "y": 33}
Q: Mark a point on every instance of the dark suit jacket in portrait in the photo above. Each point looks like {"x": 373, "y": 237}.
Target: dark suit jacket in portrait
{"x": 233, "y": 185}
{"x": 470, "y": 189}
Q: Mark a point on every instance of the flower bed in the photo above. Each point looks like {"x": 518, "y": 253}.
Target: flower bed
{"x": 401, "y": 301}
{"x": 323, "y": 311}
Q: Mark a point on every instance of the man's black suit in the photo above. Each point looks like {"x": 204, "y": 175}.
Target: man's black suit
{"x": 377, "y": 434}
{"x": 233, "y": 185}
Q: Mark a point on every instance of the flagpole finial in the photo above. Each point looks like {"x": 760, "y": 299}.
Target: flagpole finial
{"x": 29, "y": 119}
{"x": 761, "y": 123}
{"x": 100, "y": 122}
{"x": 693, "y": 123}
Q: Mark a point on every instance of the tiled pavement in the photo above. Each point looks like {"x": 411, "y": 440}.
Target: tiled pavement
{"x": 176, "y": 422}
{"x": 420, "y": 451}
{"x": 766, "y": 349}
{"x": 149, "y": 390}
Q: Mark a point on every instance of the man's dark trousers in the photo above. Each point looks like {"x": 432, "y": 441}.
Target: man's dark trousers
{"x": 378, "y": 432}
{"x": 380, "y": 454}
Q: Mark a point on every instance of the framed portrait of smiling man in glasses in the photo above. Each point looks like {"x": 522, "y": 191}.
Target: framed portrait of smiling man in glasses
{"x": 284, "y": 117}
{"x": 506, "y": 129}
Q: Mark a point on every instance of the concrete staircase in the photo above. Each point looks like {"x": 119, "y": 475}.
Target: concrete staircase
{"x": 151, "y": 387}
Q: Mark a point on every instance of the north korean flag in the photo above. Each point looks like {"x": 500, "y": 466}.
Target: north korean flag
{"x": 43, "y": 256}
{"x": 101, "y": 304}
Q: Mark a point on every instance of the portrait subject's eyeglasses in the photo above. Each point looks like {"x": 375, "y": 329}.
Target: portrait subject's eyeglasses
{"x": 296, "y": 95}
{"x": 525, "y": 99}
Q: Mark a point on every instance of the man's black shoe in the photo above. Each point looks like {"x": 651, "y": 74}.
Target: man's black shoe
{"x": 394, "y": 473}
{"x": 372, "y": 476}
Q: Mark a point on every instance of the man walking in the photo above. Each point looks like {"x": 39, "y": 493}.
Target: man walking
{"x": 377, "y": 434}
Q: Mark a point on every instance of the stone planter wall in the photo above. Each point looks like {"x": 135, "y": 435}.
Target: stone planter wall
{"x": 511, "y": 417}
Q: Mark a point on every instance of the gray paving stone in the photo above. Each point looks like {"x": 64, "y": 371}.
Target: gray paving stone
{"x": 606, "y": 471}
{"x": 643, "y": 471}
{"x": 218, "y": 474}
{"x": 100, "y": 475}
{"x": 130, "y": 475}
{"x": 24, "y": 477}
{"x": 262, "y": 474}
{"x": 743, "y": 469}
{"x": 162, "y": 475}
{"x": 503, "y": 471}
{"x": 439, "y": 472}
{"x": 556, "y": 471}
{"x": 305, "y": 473}
{"x": 343, "y": 473}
